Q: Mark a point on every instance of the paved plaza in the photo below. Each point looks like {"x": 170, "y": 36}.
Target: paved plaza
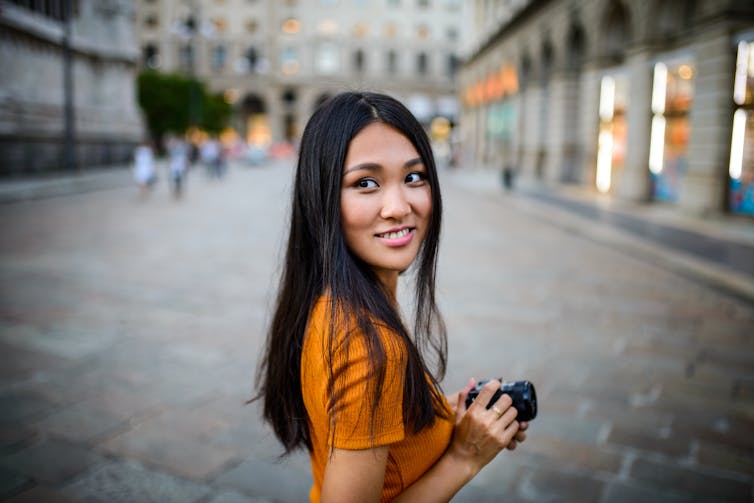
{"x": 131, "y": 327}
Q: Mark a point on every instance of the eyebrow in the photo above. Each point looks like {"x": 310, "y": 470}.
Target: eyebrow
{"x": 372, "y": 166}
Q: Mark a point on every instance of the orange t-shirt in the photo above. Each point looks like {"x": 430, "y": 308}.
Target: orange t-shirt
{"x": 410, "y": 455}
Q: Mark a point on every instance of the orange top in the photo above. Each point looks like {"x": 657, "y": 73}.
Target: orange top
{"x": 349, "y": 424}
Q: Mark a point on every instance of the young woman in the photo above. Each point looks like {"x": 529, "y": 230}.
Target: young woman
{"x": 342, "y": 374}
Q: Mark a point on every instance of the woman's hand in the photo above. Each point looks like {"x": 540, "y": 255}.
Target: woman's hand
{"x": 480, "y": 434}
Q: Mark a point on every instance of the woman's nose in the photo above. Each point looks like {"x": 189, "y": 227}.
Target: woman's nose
{"x": 395, "y": 204}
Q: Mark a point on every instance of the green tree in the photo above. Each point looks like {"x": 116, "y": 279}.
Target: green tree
{"x": 172, "y": 103}
{"x": 215, "y": 113}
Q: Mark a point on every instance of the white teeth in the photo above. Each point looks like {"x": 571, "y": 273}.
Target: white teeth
{"x": 395, "y": 235}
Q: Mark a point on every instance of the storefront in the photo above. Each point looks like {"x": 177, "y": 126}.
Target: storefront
{"x": 672, "y": 97}
{"x": 613, "y": 131}
{"x": 741, "y": 167}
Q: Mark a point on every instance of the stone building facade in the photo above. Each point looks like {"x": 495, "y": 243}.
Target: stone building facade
{"x": 276, "y": 60}
{"x": 103, "y": 54}
{"x": 647, "y": 100}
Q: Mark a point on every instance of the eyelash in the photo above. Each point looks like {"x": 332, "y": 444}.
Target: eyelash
{"x": 421, "y": 177}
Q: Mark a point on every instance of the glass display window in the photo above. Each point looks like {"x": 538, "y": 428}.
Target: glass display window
{"x": 741, "y": 166}
{"x": 613, "y": 130}
{"x": 672, "y": 98}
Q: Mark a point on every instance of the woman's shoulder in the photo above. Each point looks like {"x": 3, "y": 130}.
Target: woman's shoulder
{"x": 327, "y": 316}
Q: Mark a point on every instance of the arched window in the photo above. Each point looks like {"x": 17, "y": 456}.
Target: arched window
{"x": 616, "y": 31}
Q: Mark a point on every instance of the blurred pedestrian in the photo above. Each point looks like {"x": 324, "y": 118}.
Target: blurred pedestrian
{"x": 178, "y": 152}
{"x": 143, "y": 170}
{"x": 341, "y": 375}
{"x": 508, "y": 177}
{"x": 212, "y": 157}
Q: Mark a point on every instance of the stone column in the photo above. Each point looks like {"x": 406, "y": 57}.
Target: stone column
{"x": 556, "y": 128}
{"x": 703, "y": 187}
{"x": 633, "y": 184}
{"x": 588, "y": 132}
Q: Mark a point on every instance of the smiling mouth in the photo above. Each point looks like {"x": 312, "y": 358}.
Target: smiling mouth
{"x": 395, "y": 235}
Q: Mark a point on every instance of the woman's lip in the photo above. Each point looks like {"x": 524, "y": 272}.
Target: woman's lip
{"x": 401, "y": 241}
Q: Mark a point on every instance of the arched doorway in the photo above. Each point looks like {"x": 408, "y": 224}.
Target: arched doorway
{"x": 256, "y": 121}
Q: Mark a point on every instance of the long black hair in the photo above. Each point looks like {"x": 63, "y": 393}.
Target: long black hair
{"x": 317, "y": 262}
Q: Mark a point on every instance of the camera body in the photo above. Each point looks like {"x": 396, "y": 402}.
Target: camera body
{"x": 522, "y": 392}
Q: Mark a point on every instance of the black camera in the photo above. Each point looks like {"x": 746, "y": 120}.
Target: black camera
{"x": 522, "y": 392}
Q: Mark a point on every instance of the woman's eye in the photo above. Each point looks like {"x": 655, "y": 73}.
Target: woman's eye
{"x": 366, "y": 183}
{"x": 415, "y": 177}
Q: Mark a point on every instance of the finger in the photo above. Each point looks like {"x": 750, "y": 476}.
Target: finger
{"x": 460, "y": 405}
{"x": 502, "y": 405}
{"x": 464, "y": 393}
{"x": 520, "y": 435}
{"x": 523, "y": 425}
{"x": 489, "y": 389}
{"x": 509, "y": 432}
{"x": 512, "y": 445}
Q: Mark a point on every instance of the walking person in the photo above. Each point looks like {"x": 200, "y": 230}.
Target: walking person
{"x": 342, "y": 374}
{"x": 179, "y": 157}
{"x": 143, "y": 170}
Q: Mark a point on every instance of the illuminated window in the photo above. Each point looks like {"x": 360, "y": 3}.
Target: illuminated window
{"x": 220, "y": 24}
{"x": 328, "y": 27}
{"x": 741, "y": 165}
{"x": 390, "y": 30}
{"x": 422, "y": 31}
{"x": 291, "y": 26}
{"x": 328, "y": 59}
{"x": 360, "y": 30}
{"x": 289, "y": 61}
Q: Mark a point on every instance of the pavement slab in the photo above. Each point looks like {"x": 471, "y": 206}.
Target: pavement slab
{"x": 131, "y": 328}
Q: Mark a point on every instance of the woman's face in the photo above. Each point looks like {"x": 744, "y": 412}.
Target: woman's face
{"x": 385, "y": 201}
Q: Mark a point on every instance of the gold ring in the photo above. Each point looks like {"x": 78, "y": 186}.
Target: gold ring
{"x": 497, "y": 411}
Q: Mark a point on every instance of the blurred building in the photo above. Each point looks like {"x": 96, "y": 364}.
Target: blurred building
{"x": 95, "y": 112}
{"x": 276, "y": 60}
{"x": 650, "y": 100}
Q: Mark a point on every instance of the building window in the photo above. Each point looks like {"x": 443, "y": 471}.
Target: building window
{"x": 422, "y": 63}
{"x": 328, "y": 2}
{"x": 422, "y": 3}
{"x": 328, "y": 27}
{"x": 360, "y": 30}
{"x": 219, "y": 55}
{"x": 393, "y": 3}
{"x": 289, "y": 61}
{"x": 453, "y": 64}
{"x": 186, "y": 58}
{"x": 741, "y": 164}
{"x": 327, "y": 61}
{"x": 291, "y": 26}
{"x": 422, "y": 31}
{"x": 251, "y": 26}
{"x": 252, "y": 59}
{"x": 452, "y": 34}
{"x": 390, "y": 30}
{"x": 151, "y": 56}
{"x": 220, "y": 24}
{"x": 359, "y": 61}
{"x": 151, "y": 21}
{"x": 392, "y": 62}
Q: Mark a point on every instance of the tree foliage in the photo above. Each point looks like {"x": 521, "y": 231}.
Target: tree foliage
{"x": 172, "y": 103}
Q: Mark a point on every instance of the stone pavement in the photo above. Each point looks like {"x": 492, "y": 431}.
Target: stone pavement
{"x": 130, "y": 330}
